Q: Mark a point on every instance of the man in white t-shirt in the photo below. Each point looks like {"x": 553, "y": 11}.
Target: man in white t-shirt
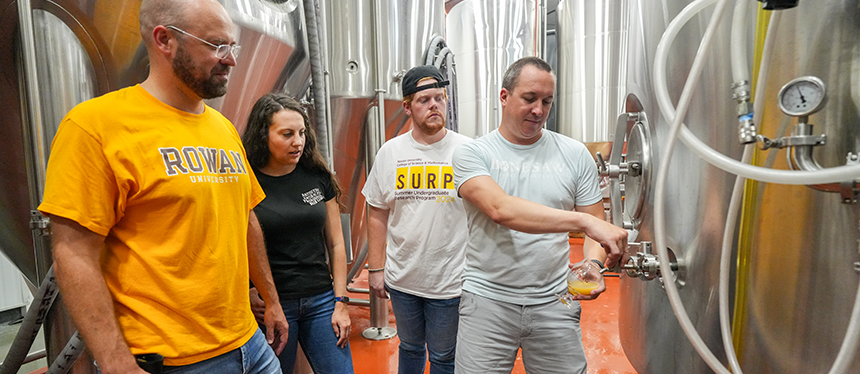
{"x": 413, "y": 206}
{"x": 525, "y": 189}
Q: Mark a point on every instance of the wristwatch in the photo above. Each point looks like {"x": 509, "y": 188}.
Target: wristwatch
{"x": 342, "y": 299}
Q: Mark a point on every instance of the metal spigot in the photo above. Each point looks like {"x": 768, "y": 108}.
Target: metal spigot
{"x": 643, "y": 264}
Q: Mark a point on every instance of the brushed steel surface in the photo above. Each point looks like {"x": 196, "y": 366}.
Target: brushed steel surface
{"x": 407, "y": 30}
{"x": 592, "y": 47}
{"x": 802, "y": 280}
{"x": 486, "y": 36}
{"x": 697, "y": 194}
{"x": 408, "y": 27}
{"x": 801, "y": 283}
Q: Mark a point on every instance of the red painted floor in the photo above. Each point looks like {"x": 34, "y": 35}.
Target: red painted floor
{"x": 599, "y": 329}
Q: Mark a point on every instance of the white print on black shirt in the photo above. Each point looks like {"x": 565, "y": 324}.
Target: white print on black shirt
{"x": 313, "y": 196}
{"x": 191, "y": 160}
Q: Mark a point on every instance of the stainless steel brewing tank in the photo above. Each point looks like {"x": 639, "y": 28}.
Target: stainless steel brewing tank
{"x": 800, "y": 284}
{"x": 797, "y": 284}
{"x": 487, "y": 36}
{"x": 407, "y": 30}
{"x": 697, "y": 193}
{"x": 592, "y": 47}
{"x": 88, "y": 48}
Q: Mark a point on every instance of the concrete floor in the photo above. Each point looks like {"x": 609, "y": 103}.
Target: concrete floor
{"x": 7, "y": 335}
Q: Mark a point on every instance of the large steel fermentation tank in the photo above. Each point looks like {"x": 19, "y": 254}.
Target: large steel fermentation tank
{"x": 490, "y": 35}
{"x": 793, "y": 280}
{"x": 84, "y": 49}
{"x": 592, "y": 47}
{"x": 357, "y": 73}
{"x": 800, "y": 282}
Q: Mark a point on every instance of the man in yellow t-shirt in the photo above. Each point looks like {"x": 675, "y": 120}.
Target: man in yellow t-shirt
{"x": 150, "y": 197}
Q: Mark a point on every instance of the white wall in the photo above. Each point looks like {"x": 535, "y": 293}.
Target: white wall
{"x": 13, "y": 289}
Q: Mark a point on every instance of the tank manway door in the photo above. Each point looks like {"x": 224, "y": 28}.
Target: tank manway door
{"x": 628, "y": 169}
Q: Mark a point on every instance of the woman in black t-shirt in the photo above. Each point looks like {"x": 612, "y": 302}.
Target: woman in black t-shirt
{"x": 300, "y": 218}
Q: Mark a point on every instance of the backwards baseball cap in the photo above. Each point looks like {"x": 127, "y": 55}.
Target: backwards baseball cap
{"x": 410, "y": 80}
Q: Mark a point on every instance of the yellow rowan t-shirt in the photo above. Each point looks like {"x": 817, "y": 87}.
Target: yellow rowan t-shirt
{"x": 172, "y": 192}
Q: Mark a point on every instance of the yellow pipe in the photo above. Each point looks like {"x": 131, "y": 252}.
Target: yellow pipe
{"x": 749, "y": 207}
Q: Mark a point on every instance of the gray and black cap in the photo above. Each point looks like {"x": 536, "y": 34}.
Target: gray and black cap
{"x": 410, "y": 80}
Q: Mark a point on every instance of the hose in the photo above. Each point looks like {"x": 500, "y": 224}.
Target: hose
{"x": 29, "y": 328}
{"x": 740, "y": 72}
{"x": 659, "y": 205}
{"x": 67, "y": 358}
{"x": 852, "y": 337}
{"x": 319, "y": 81}
{"x": 437, "y": 42}
{"x": 792, "y": 177}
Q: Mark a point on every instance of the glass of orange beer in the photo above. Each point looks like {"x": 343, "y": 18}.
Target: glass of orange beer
{"x": 584, "y": 277}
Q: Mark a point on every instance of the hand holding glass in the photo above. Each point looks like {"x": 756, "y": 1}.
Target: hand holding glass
{"x": 583, "y": 278}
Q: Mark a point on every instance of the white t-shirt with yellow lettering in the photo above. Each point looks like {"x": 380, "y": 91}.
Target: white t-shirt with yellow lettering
{"x": 171, "y": 192}
{"x": 426, "y": 222}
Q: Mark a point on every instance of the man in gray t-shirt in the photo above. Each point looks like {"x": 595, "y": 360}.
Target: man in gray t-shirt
{"x": 525, "y": 188}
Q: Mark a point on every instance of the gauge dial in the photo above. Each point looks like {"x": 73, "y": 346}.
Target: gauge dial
{"x": 802, "y": 96}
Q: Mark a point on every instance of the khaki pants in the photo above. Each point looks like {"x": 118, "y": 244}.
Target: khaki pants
{"x": 490, "y": 333}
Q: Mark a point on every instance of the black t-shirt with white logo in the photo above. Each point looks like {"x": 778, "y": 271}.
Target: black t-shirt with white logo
{"x": 293, "y": 217}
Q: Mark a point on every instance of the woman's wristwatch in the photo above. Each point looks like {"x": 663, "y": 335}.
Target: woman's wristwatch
{"x": 342, "y": 299}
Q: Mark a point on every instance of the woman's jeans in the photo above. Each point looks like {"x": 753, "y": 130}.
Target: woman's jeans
{"x": 310, "y": 325}
{"x": 422, "y": 321}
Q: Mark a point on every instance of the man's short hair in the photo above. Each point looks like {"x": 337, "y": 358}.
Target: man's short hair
{"x": 159, "y": 12}
{"x": 509, "y": 80}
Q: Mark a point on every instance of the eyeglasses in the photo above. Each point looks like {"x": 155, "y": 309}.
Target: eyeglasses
{"x": 221, "y": 51}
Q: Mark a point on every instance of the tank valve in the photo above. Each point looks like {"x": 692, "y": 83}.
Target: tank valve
{"x": 643, "y": 264}
{"x": 746, "y": 127}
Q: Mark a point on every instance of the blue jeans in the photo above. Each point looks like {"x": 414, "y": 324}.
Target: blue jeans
{"x": 255, "y": 357}
{"x": 310, "y": 325}
{"x": 422, "y": 321}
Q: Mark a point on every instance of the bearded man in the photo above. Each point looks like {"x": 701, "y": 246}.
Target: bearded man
{"x": 412, "y": 206}
{"x": 150, "y": 198}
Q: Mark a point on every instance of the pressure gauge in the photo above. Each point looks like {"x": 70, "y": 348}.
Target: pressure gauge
{"x": 802, "y": 96}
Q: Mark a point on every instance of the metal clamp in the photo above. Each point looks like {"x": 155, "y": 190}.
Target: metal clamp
{"x": 609, "y": 170}
{"x": 40, "y": 223}
{"x": 848, "y": 190}
{"x": 791, "y": 141}
{"x": 628, "y": 167}
{"x": 800, "y": 158}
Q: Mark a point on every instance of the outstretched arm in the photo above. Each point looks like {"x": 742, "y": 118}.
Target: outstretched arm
{"x": 277, "y": 328}
{"x": 592, "y": 249}
{"x": 76, "y": 265}
{"x": 523, "y": 215}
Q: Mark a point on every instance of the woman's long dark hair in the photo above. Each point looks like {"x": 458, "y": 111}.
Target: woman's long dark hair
{"x": 256, "y": 137}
